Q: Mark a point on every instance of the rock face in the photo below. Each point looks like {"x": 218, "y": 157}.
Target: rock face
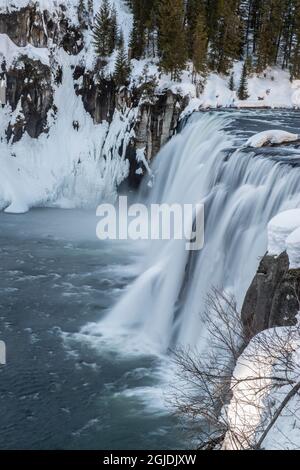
{"x": 29, "y": 89}
{"x": 157, "y": 121}
{"x": 31, "y": 84}
{"x": 29, "y": 25}
{"x": 273, "y": 298}
{"x": 98, "y": 94}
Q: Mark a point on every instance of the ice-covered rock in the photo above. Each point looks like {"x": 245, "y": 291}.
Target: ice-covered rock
{"x": 293, "y": 249}
{"x": 279, "y": 229}
{"x": 271, "y": 137}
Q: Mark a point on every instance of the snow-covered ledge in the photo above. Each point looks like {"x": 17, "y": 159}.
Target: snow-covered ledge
{"x": 284, "y": 235}
{"x": 271, "y": 137}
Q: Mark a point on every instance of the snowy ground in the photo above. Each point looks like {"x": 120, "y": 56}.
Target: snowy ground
{"x": 263, "y": 409}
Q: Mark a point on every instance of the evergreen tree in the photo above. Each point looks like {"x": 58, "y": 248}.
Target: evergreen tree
{"x": 83, "y": 15}
{"x": 295, "y": 49}
{"x": 231, "y": 83}
{"x": 142, "y": 39}
{"x": 172, "y": 45}
{"x": 225, "y": 46}
{"x": 113, "y": 30}
{"x": 200, "y": 43}
{"x": 243, "y": 88}
{"x": 215, "y": 33}
{"x": 193, "y": 9}
{"x": 122, "y": 68}
{"x": 104, "y": 33}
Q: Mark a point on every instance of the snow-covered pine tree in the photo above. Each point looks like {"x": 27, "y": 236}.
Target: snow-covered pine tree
{"x": 243, "y": 88}
{"x": 122, "y": 67}
{"x": 231, "y": 83}
{"x": 104, "y": 30}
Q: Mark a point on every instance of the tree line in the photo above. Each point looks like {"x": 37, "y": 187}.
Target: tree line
{"x": 211, "y": 34}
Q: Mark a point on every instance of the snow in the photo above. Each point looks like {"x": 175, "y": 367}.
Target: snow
{"x": 11, "y": 52}
{"x": 71, "y": 9}
{"x": 271, "y": 137}
{"x": 66, "y": 167}
{"x": 293, "y": 248}
{"x": 279, "y": 229}
{"x": 261, "y": 381}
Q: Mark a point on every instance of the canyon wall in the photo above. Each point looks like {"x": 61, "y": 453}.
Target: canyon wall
{"x": 31, "y": 85}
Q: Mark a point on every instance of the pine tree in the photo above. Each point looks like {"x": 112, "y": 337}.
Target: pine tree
{"x": 243, "y": 88}
{"x": 122, "y": 67}
{"x": 143, "y": 35}
{"x": 226, "y": 40}
{"x": 295, "y": 49}
{"x": 82, "y": 11}
{"x": 193, "y": 9}
{"x": 102, "y": 30}
{"x": 172, "y": 45}
{"x": 120, "y": 39}
{"x": 113, "y": 30}
{"x": 200, "y": 43}
{"x": 231, "y": 83}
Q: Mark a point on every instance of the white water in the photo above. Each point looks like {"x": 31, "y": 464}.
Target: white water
{"x": 241, "y": 192}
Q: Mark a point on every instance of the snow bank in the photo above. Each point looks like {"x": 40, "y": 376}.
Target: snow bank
{"x": 261, "y": 382}
{"x": 271, "y": 137}
{"x": 279, "y": 229}
{"x": 293, "y": 249}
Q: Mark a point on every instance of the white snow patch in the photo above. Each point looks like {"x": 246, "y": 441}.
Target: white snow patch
{"x": 261, "y": 382}
{"x": 279, "y": 229}
{"x": 271, "y": 137}
{"x": 11, "y": 52}
{"x": 293, "y": 249}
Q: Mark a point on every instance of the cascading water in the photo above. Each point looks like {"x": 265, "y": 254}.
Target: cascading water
{"x": 241, "y": 190}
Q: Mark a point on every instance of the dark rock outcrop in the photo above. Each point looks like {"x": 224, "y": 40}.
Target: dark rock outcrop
{"x": 98, "y": 95}
{"x": 29, "y": 85}
{"x": 157, "y": 121}
{"x": 273, "y": 297}
{"x": 30, "y": 25}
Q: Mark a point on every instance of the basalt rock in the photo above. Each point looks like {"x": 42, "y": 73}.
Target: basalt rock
{"x": 30, "y": 25}
{"x": 98, "y": 95}
{"x": 273, "y": 297}
{"x": 157, "y": 122}
{"x": 29, "y": 89}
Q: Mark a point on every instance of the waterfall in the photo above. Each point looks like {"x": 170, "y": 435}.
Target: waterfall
{"x": 241, "y": 190}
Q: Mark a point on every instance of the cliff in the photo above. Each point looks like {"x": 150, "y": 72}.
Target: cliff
{"x": 273, "y": 297}
{"x": 46, "y": 55}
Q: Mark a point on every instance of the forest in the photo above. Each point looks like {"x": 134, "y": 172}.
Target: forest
{"x": 210, "y": 34}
